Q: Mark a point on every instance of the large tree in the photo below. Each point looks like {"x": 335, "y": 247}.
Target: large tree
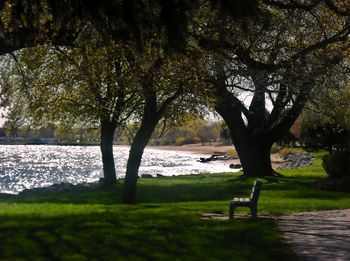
{"x": 283, "y": 60}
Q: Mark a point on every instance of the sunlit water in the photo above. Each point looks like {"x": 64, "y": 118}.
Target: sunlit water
{"x": 31, "y": 166}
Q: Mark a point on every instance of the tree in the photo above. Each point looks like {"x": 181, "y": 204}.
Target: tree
{"x": 88, "y": 85}
{"x": 165, "y": 82}
{"x": 284, "y": 60}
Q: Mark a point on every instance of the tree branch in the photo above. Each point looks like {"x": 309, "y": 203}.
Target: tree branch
{"x": 331, "y": 5}
{"x": 292, "y": 4}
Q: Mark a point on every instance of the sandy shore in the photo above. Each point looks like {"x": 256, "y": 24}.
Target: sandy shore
{"x": 197, "y": 148}
{"x": 210, "y": 150}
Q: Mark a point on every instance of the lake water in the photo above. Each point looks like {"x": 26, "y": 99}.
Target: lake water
{"x": 31, "y": 166}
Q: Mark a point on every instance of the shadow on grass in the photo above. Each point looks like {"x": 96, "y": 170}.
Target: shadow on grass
{"x": 147, "y": 235}
{"x": 298, "y": 188}
{"x": 197, "y": 188}
{"x": 164, "y": 190}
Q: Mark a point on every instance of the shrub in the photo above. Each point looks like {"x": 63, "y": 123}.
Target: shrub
{"x": 180, "y": 140}
{"x": 196, "y": 139}
{"x": 337, "y": 164}
{"x": 285, "y": 151}
{"x": 275, "y": 149}
{"x": 231, "y": 152}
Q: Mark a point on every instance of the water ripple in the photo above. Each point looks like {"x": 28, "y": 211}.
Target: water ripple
{"x": 30, "y": 166}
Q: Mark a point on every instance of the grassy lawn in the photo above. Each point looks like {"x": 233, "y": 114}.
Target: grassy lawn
{"x": 88, "y": 224}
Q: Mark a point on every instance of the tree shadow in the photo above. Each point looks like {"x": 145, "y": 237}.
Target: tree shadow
{"x": 185, "y": 189}
{"x": 94, "y": 194}
{"x": 146, "y": 234}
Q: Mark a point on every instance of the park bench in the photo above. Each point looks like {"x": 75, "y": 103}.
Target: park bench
{"x": 251, "y": 202}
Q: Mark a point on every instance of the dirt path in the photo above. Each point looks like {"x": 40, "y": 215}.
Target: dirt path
{"x": 319, "y": 235}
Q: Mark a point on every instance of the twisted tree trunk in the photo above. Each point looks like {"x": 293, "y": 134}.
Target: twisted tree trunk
{"x": 107, "y": 133}
{"x": 134, "y": 161}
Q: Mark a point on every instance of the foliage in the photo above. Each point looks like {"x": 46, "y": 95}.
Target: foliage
{"x": 326, "y": 122}
{"x": 29, "y": 23}
{"x": 285, "y": 151}
{"x": 180, "y": 140}
{"x": 231, "y": 152}
{"x": 337, "y": 164}
{"x": 224, "y": 131}
{"x": 51, "y": 85}
{"x": 318, "y": 135}
{"x": 196, "y": 139}
{"x": 191, "y": 126}
{"x": 275, "y": 148}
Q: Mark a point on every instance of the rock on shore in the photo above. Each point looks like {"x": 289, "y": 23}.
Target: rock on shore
{"x": 296, "y": 160}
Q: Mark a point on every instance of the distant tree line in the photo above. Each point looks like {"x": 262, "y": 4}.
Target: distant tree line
{"x": 191, "y": 130}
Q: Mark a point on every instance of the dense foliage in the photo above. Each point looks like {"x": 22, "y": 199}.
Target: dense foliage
{"x": 337, "y": 164}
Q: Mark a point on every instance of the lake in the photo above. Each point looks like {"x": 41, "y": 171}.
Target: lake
{"x": 31, "y": 166}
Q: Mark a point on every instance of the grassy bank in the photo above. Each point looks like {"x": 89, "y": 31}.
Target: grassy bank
{"x": 87, "y": 224}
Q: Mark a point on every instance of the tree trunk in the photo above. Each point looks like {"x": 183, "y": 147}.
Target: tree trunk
{"x": 135, "y": 156}
{"x": 253, "y": 147}
{"x": 255, "y": 158}
{"x": 107, "y": 133}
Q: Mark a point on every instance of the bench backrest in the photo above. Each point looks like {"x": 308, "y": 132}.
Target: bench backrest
{"x": 254, "y": 195}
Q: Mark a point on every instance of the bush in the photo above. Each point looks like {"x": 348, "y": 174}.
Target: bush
{"x": 180, "y": 140}
{"x": 324, "y": 136}
{"x": 275, "y": 149}
{"x": 286, "y": 151}
{"x": 196, "y": 139}
{"x": 231, "y": 152}
{"x": 337, "y": 164}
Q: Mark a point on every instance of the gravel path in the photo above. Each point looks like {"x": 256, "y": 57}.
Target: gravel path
{"x": 319, "y": 235}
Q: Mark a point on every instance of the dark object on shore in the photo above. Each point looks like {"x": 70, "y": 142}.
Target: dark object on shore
{"x": 215, "y": 157}
{"x": 235, "y": 166}
{"x": 146, "y": 176}
{"x": 61, "y": 187}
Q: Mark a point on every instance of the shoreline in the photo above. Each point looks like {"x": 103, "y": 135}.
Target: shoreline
{"x": 196, "y": 148}
{"x": 208, "y": 150}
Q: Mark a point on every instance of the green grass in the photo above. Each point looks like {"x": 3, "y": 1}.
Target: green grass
{"x": 89, "y": 224}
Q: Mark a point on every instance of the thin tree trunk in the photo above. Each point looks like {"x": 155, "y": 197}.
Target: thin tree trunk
{"x": 106, "y": 145}
{"x": 135, "y": 156}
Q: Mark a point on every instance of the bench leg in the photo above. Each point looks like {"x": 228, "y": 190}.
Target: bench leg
{"x": 232, "y": 210}
{"x": 254, "y": 212}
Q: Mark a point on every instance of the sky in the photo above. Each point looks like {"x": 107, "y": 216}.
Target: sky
{"x": 2, "y": 120}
